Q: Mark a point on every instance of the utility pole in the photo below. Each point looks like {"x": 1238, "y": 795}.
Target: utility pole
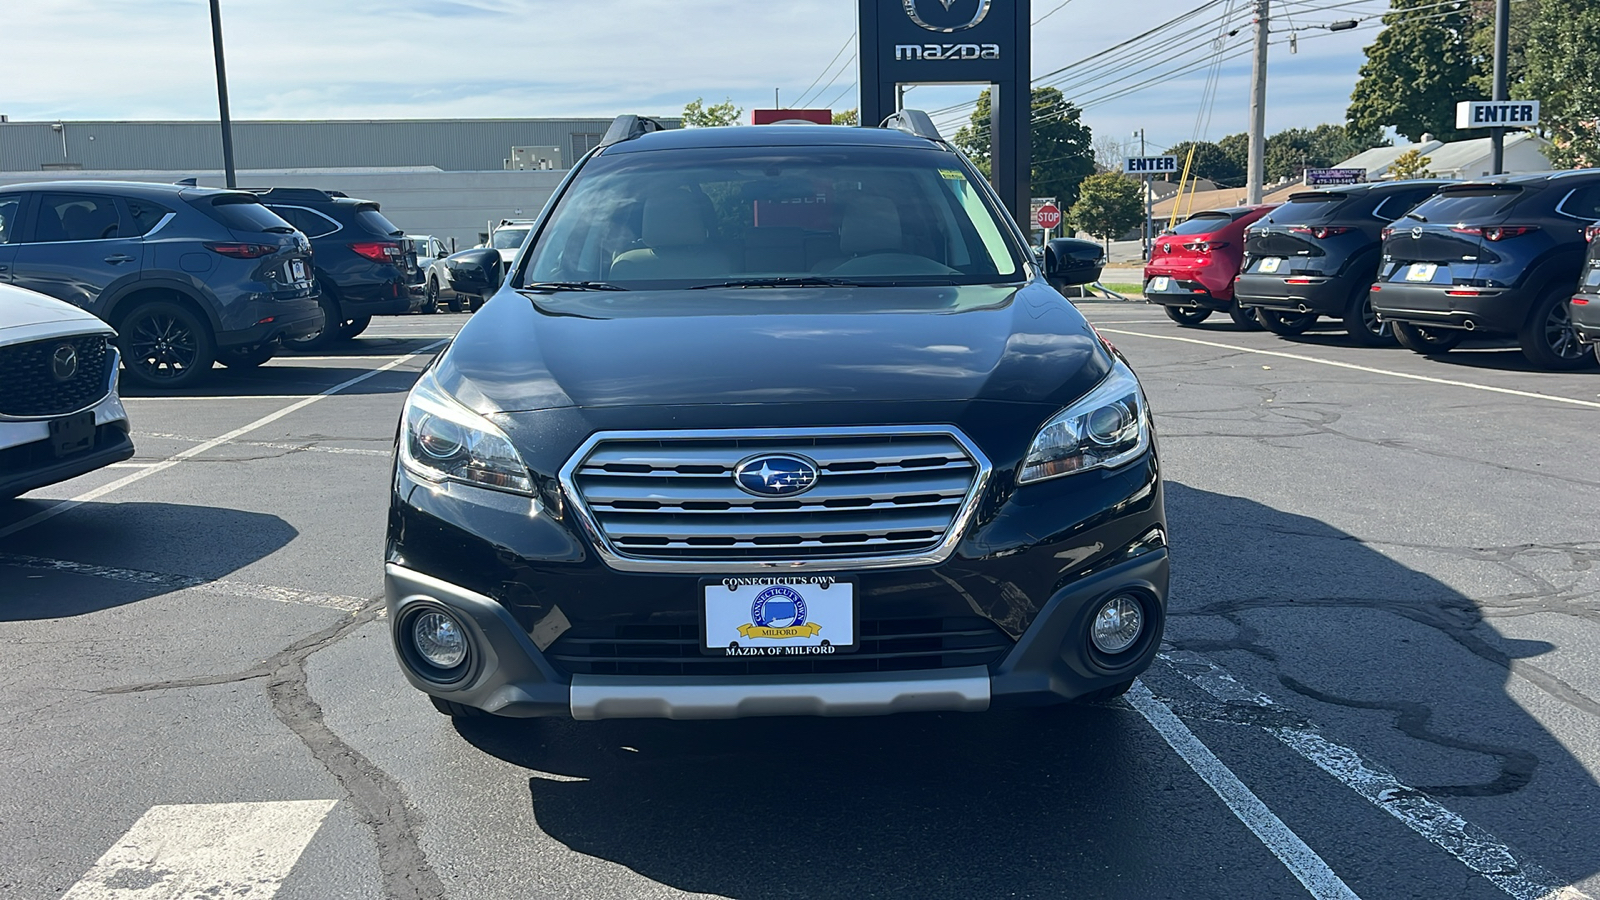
{"x": 1256, "y": 170}
{"x": 222, "y": 95}
{"x": 1497, "y": 134}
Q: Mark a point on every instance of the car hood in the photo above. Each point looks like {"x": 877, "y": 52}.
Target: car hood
{"x": 765, "y": 345}
{"x": 29, "y": 316}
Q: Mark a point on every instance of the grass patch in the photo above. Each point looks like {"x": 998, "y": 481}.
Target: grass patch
{"x": 1123, "y": 287}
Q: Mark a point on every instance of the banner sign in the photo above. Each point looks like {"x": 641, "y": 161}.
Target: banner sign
{"x": 1324, "y": 177}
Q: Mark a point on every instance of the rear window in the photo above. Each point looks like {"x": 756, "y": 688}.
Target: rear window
{"x": 240, "y": 213}
{"x": 1202, "y": 223}
{"x": 376, "y": 222}
{"x": 1309, "y": 207}
{"x": 1395, "y": 205}
{"x": 1472, "y": 205}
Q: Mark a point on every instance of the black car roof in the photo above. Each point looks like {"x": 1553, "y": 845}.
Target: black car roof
{"x": 146, "y": 189}
{"x": 771, "y": 136}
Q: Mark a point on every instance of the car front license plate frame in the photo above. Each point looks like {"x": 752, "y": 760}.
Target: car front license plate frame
{"x": 779, "y": 616}
{"x": 71, "y": 435}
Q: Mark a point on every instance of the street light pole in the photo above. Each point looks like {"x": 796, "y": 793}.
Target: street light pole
{"x": 1497, "y": 134}
{"x": 1256, "y": 170}
{"x": 1145, "y": 228}
{"x": 222, "y": 95}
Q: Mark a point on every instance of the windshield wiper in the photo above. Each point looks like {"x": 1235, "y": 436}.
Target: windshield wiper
{"x": 782, "y": 281}
{"x": 1412, "y": 215}
{"x": 550, "y": 287}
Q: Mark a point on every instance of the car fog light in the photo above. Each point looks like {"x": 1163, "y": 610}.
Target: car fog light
{"x": 439, "y": 639}
{"x": 1117, "y": 625}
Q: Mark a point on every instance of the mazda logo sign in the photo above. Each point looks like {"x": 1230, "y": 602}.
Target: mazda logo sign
{"x": 64, "y": 362}
{"x": 775, "y": 475}
{"x": 1416, "y": 233}
{"x": 946, "y": 16}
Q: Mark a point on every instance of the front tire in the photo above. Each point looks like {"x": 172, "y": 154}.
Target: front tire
{"x": 1244, "y": 318}
{"x": 1425, "y": 340}
{"x": 456, "y": 710}
{"x": 1187, "y": 316}
{"x": 1549, "y": 341}
{"x": 1286, "y": 324}
{"x": 1106, "y": 693}
{"x": 164, "y": 345}
{"x": 430, "y": 302}
{"x": 328, "y": 333}
{"x": 1362, "y": 324}
{"x": 247, "y": 357}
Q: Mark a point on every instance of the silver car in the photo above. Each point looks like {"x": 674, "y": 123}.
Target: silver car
{"x": 60, "y": 415}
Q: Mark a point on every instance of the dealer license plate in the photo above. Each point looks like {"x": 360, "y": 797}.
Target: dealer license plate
{"x": 1593, "y": 278}
{"x": 1159, "y": 285}
{"x": 1270, "y": 264}
{"x": 297, "y": 270}
{"x": 784, "y": 615}
{"x": 73, "y": 434}
{"x": 1421, "y": 271}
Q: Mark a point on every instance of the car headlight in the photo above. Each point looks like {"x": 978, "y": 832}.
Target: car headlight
{"x": 1106, "y": 428}
{"x": 441, "y": 440}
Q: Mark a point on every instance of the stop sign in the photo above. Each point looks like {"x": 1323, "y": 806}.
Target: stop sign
{"x": 1049, "y": 216}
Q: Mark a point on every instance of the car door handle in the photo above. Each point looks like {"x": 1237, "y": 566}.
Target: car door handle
{"x": 5, "y": 268}
{"x": 119, "y": 258}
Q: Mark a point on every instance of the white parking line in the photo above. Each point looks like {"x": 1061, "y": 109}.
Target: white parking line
{"x": 242, "y": 851}
{"x": 180, "y": 456}
{"x": 1474, "y": 847}
{"x": 172, "y": 582}
{"x": 1344, "y": 365}
{"x": 1302, "y": 862}
{"x": 198, "y": 398}
{"x": 309, "y": 447}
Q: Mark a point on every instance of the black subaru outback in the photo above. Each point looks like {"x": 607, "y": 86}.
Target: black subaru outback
{"x": 1317, "y": 255}
{"x": 775, "y": 420}
{"x": 1498, "y": 257}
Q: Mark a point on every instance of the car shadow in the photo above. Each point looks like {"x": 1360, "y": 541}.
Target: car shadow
{"x": 78, "y": 563}
{"x": 1085, "y": 799}
{"x": 277, "y": 380}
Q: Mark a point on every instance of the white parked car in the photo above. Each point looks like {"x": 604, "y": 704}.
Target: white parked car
{"x": 60, "y": 415}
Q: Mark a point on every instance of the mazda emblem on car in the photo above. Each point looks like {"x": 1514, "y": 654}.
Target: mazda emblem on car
{"x": 948, "y": 15}
{"x": 64, "y": 362}
{"x": 1416, "y": 233}
{"x": 775, "y": 475}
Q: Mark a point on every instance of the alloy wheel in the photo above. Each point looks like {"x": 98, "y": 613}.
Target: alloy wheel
{"x": 162, "y": 346}
{"x": 1559, "y": 335}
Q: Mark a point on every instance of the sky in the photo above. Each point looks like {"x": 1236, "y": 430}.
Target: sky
{"x": 356, "y": 59}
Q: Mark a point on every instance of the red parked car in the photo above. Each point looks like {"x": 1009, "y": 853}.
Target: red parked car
{"x": 1192, "y": 266}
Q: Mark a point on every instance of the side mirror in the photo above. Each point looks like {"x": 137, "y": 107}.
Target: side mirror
{"x": 1070, "y": 261}
{"x": 476, "y": 271}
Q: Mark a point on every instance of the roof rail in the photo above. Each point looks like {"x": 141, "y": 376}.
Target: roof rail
{"x": 626, "y": 128}
{"x": 913, "y": 121}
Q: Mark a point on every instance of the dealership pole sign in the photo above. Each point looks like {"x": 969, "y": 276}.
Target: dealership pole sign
{"x": 1150, "y": 165}
{"x": 978, "y": 42}
{"x": 1497, "y": 113}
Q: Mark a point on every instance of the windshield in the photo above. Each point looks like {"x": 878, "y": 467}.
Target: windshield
{"x": 684, "y": 218}
{"x": 509, "y": 238}
{"x": 1202, "y": 223}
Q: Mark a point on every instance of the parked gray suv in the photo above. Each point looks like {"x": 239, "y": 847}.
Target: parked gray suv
{"x": 188, "y": 276}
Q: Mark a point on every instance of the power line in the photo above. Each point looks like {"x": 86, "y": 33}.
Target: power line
{"x": 1052, "y": 12}
{"x": 826, "y": 68}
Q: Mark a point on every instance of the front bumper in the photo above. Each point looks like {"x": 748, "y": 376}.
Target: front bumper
{"x": 517, "y": 578}
{"x": 27, "y": 461}
{"x": 1321, "y": 294}
{"x": 1496, "y": 311}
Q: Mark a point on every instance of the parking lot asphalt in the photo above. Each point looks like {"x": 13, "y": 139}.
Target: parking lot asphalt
{"x": 1382, "y": 676}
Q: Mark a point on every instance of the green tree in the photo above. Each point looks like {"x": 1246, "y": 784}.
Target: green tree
{"x": 847, "y": 117}
{"x": 1563, "y": 74}
{"x": 1417, "y": 69}
{"x": 1410, "y": 164}
{"x": 1237, "y": 146}
{"x": 1524, "y": 13}
{"x": 1292, "y": 151}
{"x": 1109, "y": 204}
{"x": 1063, "y": 147}
{"x": 696, "y": 114}
{"x": 1211, "y": 162}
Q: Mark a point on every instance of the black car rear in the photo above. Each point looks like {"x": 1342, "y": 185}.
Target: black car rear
{"x": 364, "y": 263}
{"x": 1317, "y": 255}
{"x": 1585, "y": 305}
{"x": 1497, "y": 257}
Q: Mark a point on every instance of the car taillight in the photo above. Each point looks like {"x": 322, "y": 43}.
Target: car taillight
{"x": 1205, "y": 246}
{"x": 378, "y": 251}
{"x": 1319, "y": 231}
{"x": 1579, "y": 301}
{"x": 1495, "y": 232}
{"x": 242, "y": 251}
{"x": 1590, "y": 233}
{"x": 1387, "y": 232}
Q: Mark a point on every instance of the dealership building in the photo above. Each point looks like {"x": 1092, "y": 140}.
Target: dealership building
{"x": 445, "y": 177}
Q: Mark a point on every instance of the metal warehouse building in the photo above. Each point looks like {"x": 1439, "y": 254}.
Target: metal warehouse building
{"x": 446, "y": 177}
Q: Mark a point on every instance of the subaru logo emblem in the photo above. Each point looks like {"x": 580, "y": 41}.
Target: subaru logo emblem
{"x": 945, "y": 16}
{"x": 775, "y": 475}
{"x": 1416, "y": 233}
{"x": 64, "y": 362}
